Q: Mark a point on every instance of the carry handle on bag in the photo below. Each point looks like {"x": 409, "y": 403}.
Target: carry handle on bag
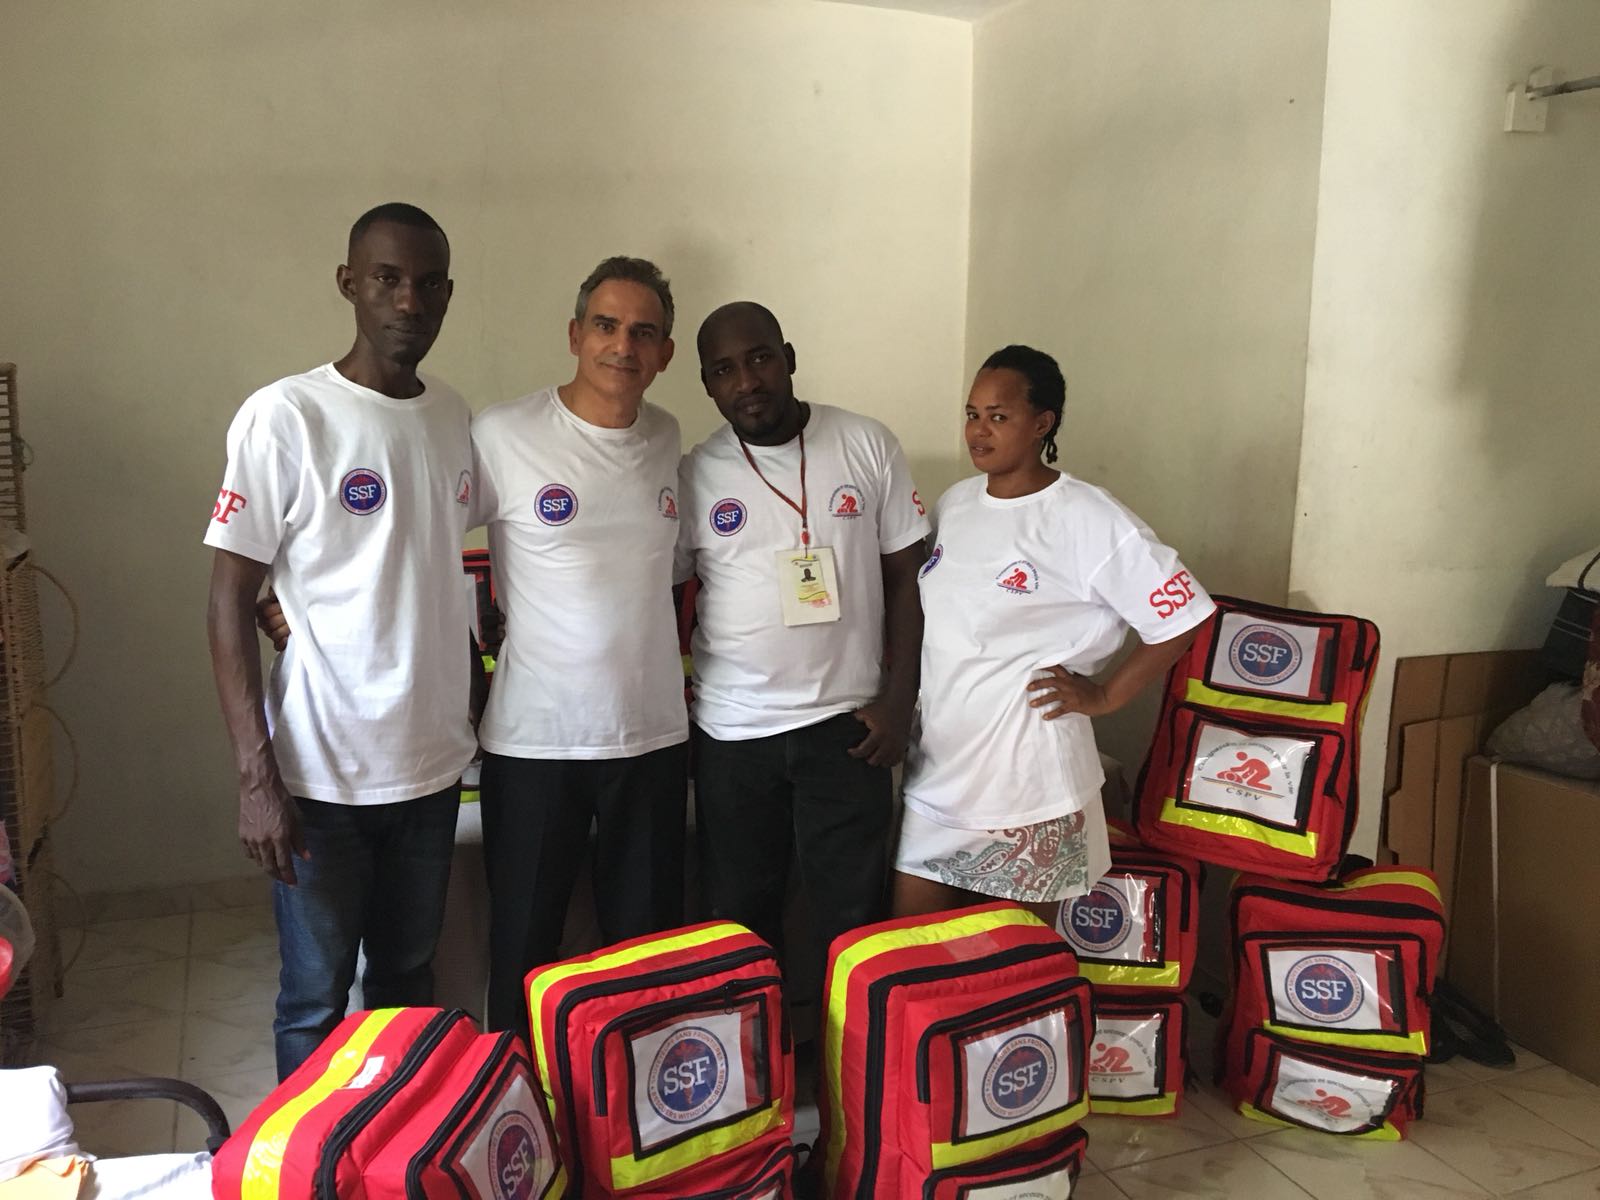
{"x": 667, "y": 1061}
{"x": 1345, "y": 1092}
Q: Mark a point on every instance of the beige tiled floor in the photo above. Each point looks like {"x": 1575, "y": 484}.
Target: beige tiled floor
{"x": 185, "y": 986}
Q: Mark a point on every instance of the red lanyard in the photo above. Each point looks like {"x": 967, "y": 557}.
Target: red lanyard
{"x": 805, "y": 529}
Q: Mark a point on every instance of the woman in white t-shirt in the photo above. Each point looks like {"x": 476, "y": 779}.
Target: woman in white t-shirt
{"x": 1034, "y": 581}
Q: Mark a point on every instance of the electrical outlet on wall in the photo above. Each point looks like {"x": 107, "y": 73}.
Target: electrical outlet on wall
{"x": 1524, "y": 114}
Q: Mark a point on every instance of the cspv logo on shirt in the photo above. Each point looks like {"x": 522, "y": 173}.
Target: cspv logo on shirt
{"x": 362, "y": 492}
{"x": 464, "y": 487}
{"x": 847, "y": 503}
{"x": 667, "y": 504}
{"x": 1019, "y": 577}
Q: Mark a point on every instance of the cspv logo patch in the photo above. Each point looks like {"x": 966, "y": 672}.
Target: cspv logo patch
{"x": 1019, "y": 577}
{"x": 689, "y": 1075}
{"x": 362, "y": 492}
{"x": 847, "y": 502}
{"x": 1098, "y": 920}
{"x": 1324, "y": 989}
{"x": 514, "y": 1155}
{"x": 667, "y": 504}
{"x": 727, "y": 517}
{"x": 1264, "y": 654}
{"x": 556, "y": 504}
{"x": 1019, "y": 1077}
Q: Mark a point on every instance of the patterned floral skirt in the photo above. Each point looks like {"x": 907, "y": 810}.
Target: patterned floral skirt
{"x": 1052, "y": 860}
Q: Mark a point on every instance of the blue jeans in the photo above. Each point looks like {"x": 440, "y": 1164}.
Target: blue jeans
{"x": 377, "y": 876}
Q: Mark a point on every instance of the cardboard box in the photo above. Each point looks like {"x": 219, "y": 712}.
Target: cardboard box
{"x": 1444, "y": 706}
{"x": 1549, "y": 911}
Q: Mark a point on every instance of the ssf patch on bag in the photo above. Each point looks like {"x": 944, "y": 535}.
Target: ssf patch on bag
{"x": 1345, "y": 964}
{"x": 1138, "y": 1056}
{"x": 954, "y": 1043}
{"x": 1138, "y": 927}
{"x": 666, "y": 1060}
{"x": 1255, "y": 758}
{"x": 1353, "y": 1093}
{"x": 399, "y": 1102}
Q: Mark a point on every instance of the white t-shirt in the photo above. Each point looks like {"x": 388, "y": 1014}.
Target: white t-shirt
{"x": 582, "y": 522}
{"x": 1012, "y": 587}
{"x": 753, "y": 675}
{"x": 357, "y": 502}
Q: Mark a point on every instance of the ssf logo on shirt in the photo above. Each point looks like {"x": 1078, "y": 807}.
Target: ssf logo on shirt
{"x": 727, "y": 517}
{"x": 556, "y": 504}
{"x": 362, "y": 492}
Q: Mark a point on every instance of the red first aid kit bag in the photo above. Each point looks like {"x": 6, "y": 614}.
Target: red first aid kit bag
{"x": 1255, "y": 758}
{"x": 667, "y": 1062}
{"x": 1354, "y": 1093}
{"x": 954, "y": 1047}
{"x": 1138, "y": 927}
{"x": 1347, "y": 964}
{"x": 1138, "y": 1057}
{"x": 398, "y": 1102}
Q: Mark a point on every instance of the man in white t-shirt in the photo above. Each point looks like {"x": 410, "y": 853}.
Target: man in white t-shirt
{"x": 804, "y": 528}
{"x": 586, "y": 720}
{"x": 348, "y": 487}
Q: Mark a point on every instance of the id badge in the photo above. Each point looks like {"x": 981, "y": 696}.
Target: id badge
{"x": 808, "y": 585}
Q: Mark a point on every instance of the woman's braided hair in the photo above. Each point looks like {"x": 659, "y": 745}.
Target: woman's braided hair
{"x": 1047, "y": 388}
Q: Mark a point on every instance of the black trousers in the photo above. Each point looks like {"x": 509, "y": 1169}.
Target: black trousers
{"x": 537, "y": 813}
{"x": 759, "y": 801}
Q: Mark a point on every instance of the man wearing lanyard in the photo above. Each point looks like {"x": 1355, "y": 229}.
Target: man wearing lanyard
{"x": 806, "y": 533}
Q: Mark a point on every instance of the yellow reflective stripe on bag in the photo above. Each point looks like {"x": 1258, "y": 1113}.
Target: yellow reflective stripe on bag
{"x": 1131, "y": 975}
{"x": 1389, "y": 1043}
{"x": 628, "y": 1172}
{"x": 951, "y": 1154}
{"x": 1388, "y": 1133}
{"x": 1156, "y": 1106}
{"x": 263, "y": 1167}
{"x": 1198, "y": 693}
{"x": 1302, "y": 844}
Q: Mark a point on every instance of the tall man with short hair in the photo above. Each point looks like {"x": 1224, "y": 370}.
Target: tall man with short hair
{"x": 348, "y": 486}
{"x": 586, "y": 721}
{"x": 804, "y": 528}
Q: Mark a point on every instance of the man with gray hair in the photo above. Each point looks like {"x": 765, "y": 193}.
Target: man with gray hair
{"x": 586, "y": 720}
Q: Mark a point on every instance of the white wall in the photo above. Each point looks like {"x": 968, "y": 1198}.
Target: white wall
{"x": 1450, "y": 419}
{"x": 1144, "y": 206}
{"x": 177, "y": 181}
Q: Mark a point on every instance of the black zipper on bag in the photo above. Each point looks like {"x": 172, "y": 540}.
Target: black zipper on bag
{"x": 877, "y": 1004}
{"x": 1021, "y": 1007}
{"x": 347, "y": 1127}
{"x": 769, "y": 1174}
{"x": 1330, "y": 666}
{"x": 611, "y": 987}
{"x": 498, "y": 1063}
{"x": 725, "y": 993}
{"x": 1065, "y": 1151}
